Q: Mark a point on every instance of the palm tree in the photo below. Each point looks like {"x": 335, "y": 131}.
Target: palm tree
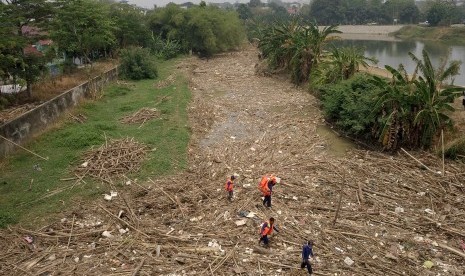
{"x": 340, "y": 64}
{"x": 413, "y": 109}
{"x": 294, "y": 47}
{"x": 320, "y": 37}
{"x": 435, "y": 95}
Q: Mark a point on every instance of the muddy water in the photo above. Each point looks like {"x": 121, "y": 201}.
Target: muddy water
{"x": 336, "y": 145}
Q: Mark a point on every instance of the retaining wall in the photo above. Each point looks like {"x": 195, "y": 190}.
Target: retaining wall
{"x": 20, "y": 129}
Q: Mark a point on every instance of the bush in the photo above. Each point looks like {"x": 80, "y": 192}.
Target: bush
{"x": 204, "y": 30}
{"x": 165, "y": 49}
{"x": 137, "y": 64}
{"x": 454, "y": 149}
{"x": 349, "y": 104}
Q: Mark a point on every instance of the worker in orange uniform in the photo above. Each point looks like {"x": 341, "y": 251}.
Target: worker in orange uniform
{"x": 229, "y": 187}
{"x": 266, "y": 187}
{"x": 266, "y": 229}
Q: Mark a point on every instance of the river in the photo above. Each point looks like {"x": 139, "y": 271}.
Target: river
{"x": 393, "y": 53}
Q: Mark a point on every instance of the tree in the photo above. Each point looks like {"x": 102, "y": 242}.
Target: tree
{"x": 294, "y": 46}
{"x": 204, "y": 30}
{"x": 327, "y": 12}
{"x": 255, "y": 3}
{"x": 130, "y": 25}
{"x": 413, "y": 109}
{"x": 21, "y": 22}
{"x": 341, "y": 64}
{"x": 440, "y": 13}
{"x": 405, "y": 11}
{"x": 83, "y": 27}
{"x": 244, "y": 12}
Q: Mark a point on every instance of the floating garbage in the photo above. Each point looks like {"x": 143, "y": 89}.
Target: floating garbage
{"x": 348, "y": 261}
{"x": 429, "y": 211}
{"x": 399, "y": 210}
{"x": 428, "y": 264}
{"x": 110, "y": 196}
{"x": 107, "y": 234}
{"x": 240, "y": 222}
{"x": 29, "y": 239}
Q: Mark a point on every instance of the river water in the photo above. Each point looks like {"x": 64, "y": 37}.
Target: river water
{"x": 393, "y": 53}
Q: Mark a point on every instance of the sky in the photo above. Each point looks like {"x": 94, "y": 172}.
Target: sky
{"x": 160, "y": 3}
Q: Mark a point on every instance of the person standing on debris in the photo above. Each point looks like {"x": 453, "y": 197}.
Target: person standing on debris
{"x": 307, "y": 252}
{"x": 266, "y": 229}
{"x": 230, "y": 186}
{"x": 266, "y": 187}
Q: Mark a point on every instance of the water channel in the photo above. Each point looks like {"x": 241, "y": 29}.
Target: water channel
{"x": 393, "y": 53}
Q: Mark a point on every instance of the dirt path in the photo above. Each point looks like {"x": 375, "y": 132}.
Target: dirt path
{"x": 394, "y": 215}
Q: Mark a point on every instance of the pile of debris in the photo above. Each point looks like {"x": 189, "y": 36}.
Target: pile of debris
{"x": 368, "y": 213}
{"x": 141, "y": 116}
{"x": 115, "y": 158}
{"x": 14, "y": 112}
{"x": 79, "y": 118}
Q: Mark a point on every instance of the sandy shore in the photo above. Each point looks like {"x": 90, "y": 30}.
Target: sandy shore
{"x": 369, "y": 30}
{"x": 363, "y": 32}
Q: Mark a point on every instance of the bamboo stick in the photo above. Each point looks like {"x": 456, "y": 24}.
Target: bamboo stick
{"x": 45, "y": 158}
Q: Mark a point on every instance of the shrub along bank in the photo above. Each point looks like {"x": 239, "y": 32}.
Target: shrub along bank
{"x": 444, "y": 34}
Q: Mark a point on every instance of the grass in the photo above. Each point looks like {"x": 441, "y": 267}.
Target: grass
{"x": 446, "y": 34}
{"x": 26, "y": 179}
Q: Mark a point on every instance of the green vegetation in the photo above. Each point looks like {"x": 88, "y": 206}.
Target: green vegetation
{"x": 205, "y": 30}
{"x": 328, "y": 12}
{"x": 405, "y": 111}
{"x": 340, "y": 64}
{"x": 455, "y": 149}
{"x": 449, "y": 34}
{"x": 294, "y": 47}
{"x": 136, "y": 64}
{"x": 27, "y": 179}
{"x": 349, "y": 105}
{"x": 413, "y": 110}
{"x": 94, "y": 29}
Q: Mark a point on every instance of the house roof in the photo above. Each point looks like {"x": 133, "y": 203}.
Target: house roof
{"x": 30, "y": 50}
{"x": 45, "y": 42}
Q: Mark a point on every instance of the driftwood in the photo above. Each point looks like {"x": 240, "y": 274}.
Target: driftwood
{"x": 23, "y": 148}
{"x": 390, "y": 208}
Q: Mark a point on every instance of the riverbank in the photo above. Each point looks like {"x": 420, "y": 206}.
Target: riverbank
{"x": 240, "y": 122}
{"x": 365, "y": 32}
{"x": 454, "y": 34}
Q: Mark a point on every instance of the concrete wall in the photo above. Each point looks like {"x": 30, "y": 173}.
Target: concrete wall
{"x": 37, "y": 119}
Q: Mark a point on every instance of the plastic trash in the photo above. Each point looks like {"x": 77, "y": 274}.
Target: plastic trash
{"x": 348, "y": 261}
{"x": 243, "y": 213}
{"x": 29, "y": 239}
{"x": 428, "y": 264}
{"x": 107, "y": 234}
{"x": 399, "y": 210}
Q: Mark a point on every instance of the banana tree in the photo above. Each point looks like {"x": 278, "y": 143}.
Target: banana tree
{"x": 435, "y": 95}
{"x": 413, "y": 109}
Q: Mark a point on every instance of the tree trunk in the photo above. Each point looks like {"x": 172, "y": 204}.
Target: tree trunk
{"x": 29, "y": 89}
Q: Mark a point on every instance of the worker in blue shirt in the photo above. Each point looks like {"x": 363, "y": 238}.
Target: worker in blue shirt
{"x": 307, "y": 252}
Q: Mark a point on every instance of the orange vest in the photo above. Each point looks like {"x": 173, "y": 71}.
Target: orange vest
{"x": 263, "y": 186}
{"x": 229, "y": 185}
{"x": 267, "y": 229}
